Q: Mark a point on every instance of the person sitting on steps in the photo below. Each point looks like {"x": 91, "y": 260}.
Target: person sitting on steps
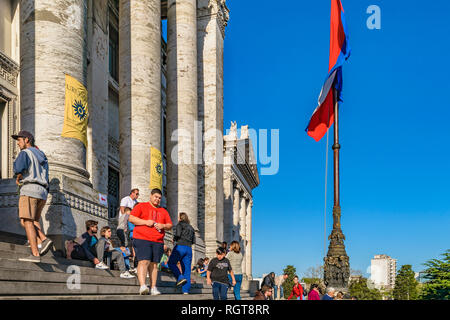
{"x": 104, "y": 248}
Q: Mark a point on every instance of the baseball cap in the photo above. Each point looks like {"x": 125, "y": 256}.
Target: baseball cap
{"x": 23, "y": 134}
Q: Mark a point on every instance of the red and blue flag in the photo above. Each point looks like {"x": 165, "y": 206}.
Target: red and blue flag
{"x": 323, "y": 116}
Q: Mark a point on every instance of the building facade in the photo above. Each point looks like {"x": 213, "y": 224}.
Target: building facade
{"x": 144, "y": 91}
{"x": 383, "y": 271}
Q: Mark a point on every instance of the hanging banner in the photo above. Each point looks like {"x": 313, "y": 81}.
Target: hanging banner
{"x": 76, "y": 110}
{"x": 156, "y": 169}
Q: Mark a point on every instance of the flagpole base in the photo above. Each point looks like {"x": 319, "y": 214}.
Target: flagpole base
{"x": 336, "y": 263}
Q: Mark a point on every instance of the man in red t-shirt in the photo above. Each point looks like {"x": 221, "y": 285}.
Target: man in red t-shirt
{"x": 150, "y": 222}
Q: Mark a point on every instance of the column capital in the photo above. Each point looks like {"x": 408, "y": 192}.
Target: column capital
{"x": 217, "y": 8}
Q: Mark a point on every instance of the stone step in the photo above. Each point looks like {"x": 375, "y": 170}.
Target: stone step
{"x": 12, "y": 264}
{"x": 58, "y": 277}
{"x": 22, "y": 288}
{"x": 48, "y": 259}
{"x": 14, "y": 251}
{"x": 205, "y": 296}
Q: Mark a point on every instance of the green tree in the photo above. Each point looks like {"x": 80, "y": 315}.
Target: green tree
{"x": 437, "y": 286}
{"x": 361, "y": 291}
{"x": 405, "y": 284}
{"x": 288, "y": 284}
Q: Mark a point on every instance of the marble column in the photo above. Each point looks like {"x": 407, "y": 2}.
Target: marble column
{"x": 210, "y": 42}
{"x": 52, "y": 44}
{"x": 182, "y": 108}
{"x": 248, "y": 248}
{"x": 97, "y": 84}
{"x": 139, "y": 92}
{"x": 242, "y": 228}
{"x": 236, "y": 205}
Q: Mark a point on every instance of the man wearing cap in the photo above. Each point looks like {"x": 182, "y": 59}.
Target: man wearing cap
{"x": 31, "y": 171}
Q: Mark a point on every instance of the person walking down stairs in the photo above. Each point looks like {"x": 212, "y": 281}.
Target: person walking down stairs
{"x": 31, "y": 172}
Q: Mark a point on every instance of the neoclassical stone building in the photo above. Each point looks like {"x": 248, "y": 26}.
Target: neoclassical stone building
{"x": 148, "y": 86}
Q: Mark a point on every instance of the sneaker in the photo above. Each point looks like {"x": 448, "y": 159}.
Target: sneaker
{"x": 181, "y": 282}
{"x": 31, "y": 258}
{"x": 126, "y": 275}
{"x": 154, "y": 291}
{"x": 185, "y": 292}
{"x": 143, "y": 290}
{"x": 46, "y": 245}
{"x": 101, "y": 266}
{"x": 133, "y": 270}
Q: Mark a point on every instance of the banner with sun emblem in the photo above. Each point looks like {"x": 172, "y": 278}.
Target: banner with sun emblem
{"x": 156, "y": 169}
{"x": 76, "y": 110}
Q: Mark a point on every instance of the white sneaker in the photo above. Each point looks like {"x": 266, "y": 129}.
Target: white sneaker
{"x": 143, "y": 290}
{"x": 154, "y": 292}
{"x": 133, "y": 270}
{"x": 101, "y": 266}
{"x": 126, "y": 275}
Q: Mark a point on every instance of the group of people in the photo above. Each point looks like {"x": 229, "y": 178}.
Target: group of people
{"x": 141, "y": 229}
{"x": 142, "y": 224}
{"x": 272, "y": 288}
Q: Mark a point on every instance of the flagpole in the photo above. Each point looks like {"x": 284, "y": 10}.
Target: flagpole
{"x": 336, "y": 147}
{"x": 337, "y": 267}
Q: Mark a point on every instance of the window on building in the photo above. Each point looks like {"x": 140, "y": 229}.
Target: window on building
{"x": 113, "y": 192}
{"x": 114, "y": 43}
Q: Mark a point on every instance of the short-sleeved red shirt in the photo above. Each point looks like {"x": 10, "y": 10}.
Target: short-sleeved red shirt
{"x": 146, "y": 211}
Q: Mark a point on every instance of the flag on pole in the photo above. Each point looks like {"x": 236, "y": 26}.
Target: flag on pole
{"x": 323, "y": 116}
{"x": 156, "y": 169}
{"x": 76, "y": 110}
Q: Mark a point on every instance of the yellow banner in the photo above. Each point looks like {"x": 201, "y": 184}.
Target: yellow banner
{"x": 76, "y": 110}
{"x": 156, "y": 169}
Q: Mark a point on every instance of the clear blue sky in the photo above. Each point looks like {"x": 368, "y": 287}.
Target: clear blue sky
{"x": 395, "y": 155}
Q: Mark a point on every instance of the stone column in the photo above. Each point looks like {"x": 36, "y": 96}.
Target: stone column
{"x": 242, "y": 228}
{"x": 52, "y": 44}
{"x": 97, "y": 83}
{"x": 236, "y": 205}
{"x": 248, "y": 248}
{"x": 140, "y": 92}
{"x": 182, "y": 108}
{"x": 210, "y": 35}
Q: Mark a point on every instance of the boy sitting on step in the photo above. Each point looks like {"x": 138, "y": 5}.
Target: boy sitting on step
{"x": 105, "y": 249}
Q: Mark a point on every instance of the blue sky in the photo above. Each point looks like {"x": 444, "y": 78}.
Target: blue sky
{"x": 395, "y": 168}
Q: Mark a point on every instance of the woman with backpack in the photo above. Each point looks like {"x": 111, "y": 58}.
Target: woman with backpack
{"x": 297, "y": 290}
{"x": 184, "y": 238}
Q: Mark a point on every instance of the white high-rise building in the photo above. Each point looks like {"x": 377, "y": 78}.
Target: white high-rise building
{"x": 382, "y": 271}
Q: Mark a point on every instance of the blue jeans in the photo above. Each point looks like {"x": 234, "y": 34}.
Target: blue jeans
{"x": 184, "y": 255}
{"x": 237, "y": 287}
{"x": 275, "y": 292}
{"x": 219, "y": 291}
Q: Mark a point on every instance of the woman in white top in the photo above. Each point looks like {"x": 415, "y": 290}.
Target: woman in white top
{"x": 235, "y": 257}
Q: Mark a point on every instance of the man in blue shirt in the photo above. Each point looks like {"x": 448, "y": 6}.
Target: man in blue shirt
{"x": 329, "y": 295}
{"x": 31, "y": 172}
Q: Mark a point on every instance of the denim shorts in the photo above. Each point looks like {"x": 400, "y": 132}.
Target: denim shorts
{"x": 148, "y": 250}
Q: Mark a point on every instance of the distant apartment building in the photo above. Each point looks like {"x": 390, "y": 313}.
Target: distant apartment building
{"x": 382, "y": 271}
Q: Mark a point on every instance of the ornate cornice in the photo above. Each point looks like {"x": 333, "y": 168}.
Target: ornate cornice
{"x": 9, "y": 70}
{"x": 214, "y": 8}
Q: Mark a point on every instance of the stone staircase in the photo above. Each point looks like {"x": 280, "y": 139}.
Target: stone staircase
{"x": 52, "y": 279}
